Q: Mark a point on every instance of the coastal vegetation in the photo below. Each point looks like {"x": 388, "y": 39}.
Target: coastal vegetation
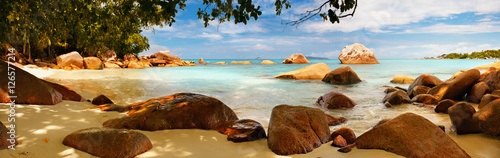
{"x": 485, "y": 54}
{"x": 44, "y": 29}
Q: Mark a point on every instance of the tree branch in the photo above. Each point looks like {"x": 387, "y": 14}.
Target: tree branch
{"x": 312, "y": 13}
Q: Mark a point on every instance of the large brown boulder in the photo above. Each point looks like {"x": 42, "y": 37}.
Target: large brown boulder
{"x": 343, "y": 75}
{"x": 487, "y": 99}
{"x": 456, "y": 88}
{"x": 177, "y": 111}
{"x": 71, "y": 58}
{"x": 418, "y": 90}
{"x": 410, "y": 135}
{"x": 5, "y": 139}
{"x": 425, "y": 80}
{"x": 335, "y": 100}
{"x": 109, "y": 143}
{"x": 488, "y": 118}
{"x": 31, "y": 90}
{"x": 493, "y": 80}
{"x": 311, "y": 72}
{"x": 396, "y": 98}
{"x": 443, "y": 106}
{"x": 426, "y": 99}
{"x": 357, "y": 54}
{"x": 242, "y": 130}
{"x": 297, "y": 129}
{"x": 477, "y": 92}
{"x": 92, "y": 63}
{"x": 461, "y": 117}
{"x": 296, "y": 59}
{"x": 402, "y": 79}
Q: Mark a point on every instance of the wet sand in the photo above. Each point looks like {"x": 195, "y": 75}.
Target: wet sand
{"x": 34, "y": 123}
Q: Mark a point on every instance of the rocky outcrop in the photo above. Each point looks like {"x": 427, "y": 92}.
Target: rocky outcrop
{"x": 487, "y": 99}
{"x": 130, "y": 57}
{"x": 5, "y": 140}
{"x": 311, "y": 72}
{"x": 109, "y": 56}
{"x": 343, "y": 75}
{"x": 101, "y": 99}
{"x": 165, "y": 55}
{"x": 396, "y": 98}
{"x": 177, "y": 111}
{"x": 461, "y": 117}
{"x": 106, "y": 142}
{"x": 426, "y": 99}
{"x": 139, "y": 64}
{"x": 201, "y": 61}
{"x": 443, "y": 106}
{"x": 418, "y": 90}
{"x": 92, "y": 63}
{"x": 410, "y": 135}
{"x": 402, "y": 79}
{"x": 297, "y": 129}
{"x": 425, "y": 80}
{"x": 296, "y": 59}
{"x": 335, "y": 100}
{"x": 477, "y": 92}
{"x": 241, "y": 62}
{"x": 357, "y": 54}
{"x": 493, "y": 80}
{"x": 242, "y": 130}
{"x": 111, "y": 65}
{"x": 267, "y": 62}
{"x": 31, "y": 90}
{"x": 68, "y": 59}
{"x": 220, "y": 63}
{"x": 456, "y": 88}
{"x": 488, "y": 118}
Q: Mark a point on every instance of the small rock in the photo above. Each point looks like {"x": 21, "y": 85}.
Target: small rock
{"x": 402, "y": 79}
{"x": 396, "y": 98}
{"x": 443, "y": 106}
{"x": 347, "y": 134}
{"x": 267, "y": 62}
{"x": 339, "y": 141}
{"x": 101, "y": 99}
{"x": 343, "y": 75}
{"x": 335, "y": 100}
{"x": 242, "y": 130}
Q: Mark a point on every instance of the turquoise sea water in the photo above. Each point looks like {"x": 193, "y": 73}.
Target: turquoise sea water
{"x": 251, "y": 91}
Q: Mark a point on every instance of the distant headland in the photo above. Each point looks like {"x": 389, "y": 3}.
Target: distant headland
{"x": 485, "y": 54}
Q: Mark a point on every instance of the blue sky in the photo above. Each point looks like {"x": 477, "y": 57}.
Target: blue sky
{"x": 392, "y": 29}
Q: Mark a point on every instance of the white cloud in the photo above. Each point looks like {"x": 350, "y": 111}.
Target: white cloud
{"x": 374, "y": 15}
{"x": 433, "y": 50}
{"x": 210, "y": 36}
{"x": 153, "y": 49}
{"x": 231, "y": 28}
{"x": 262, "y": 47}
{"x": 484, "y": 27}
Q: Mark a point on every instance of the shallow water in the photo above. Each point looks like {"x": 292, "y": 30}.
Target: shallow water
{"x": 251, "y": 91}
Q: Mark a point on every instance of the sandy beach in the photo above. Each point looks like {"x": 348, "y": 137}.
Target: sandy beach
{"x": 36, "y": 122}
